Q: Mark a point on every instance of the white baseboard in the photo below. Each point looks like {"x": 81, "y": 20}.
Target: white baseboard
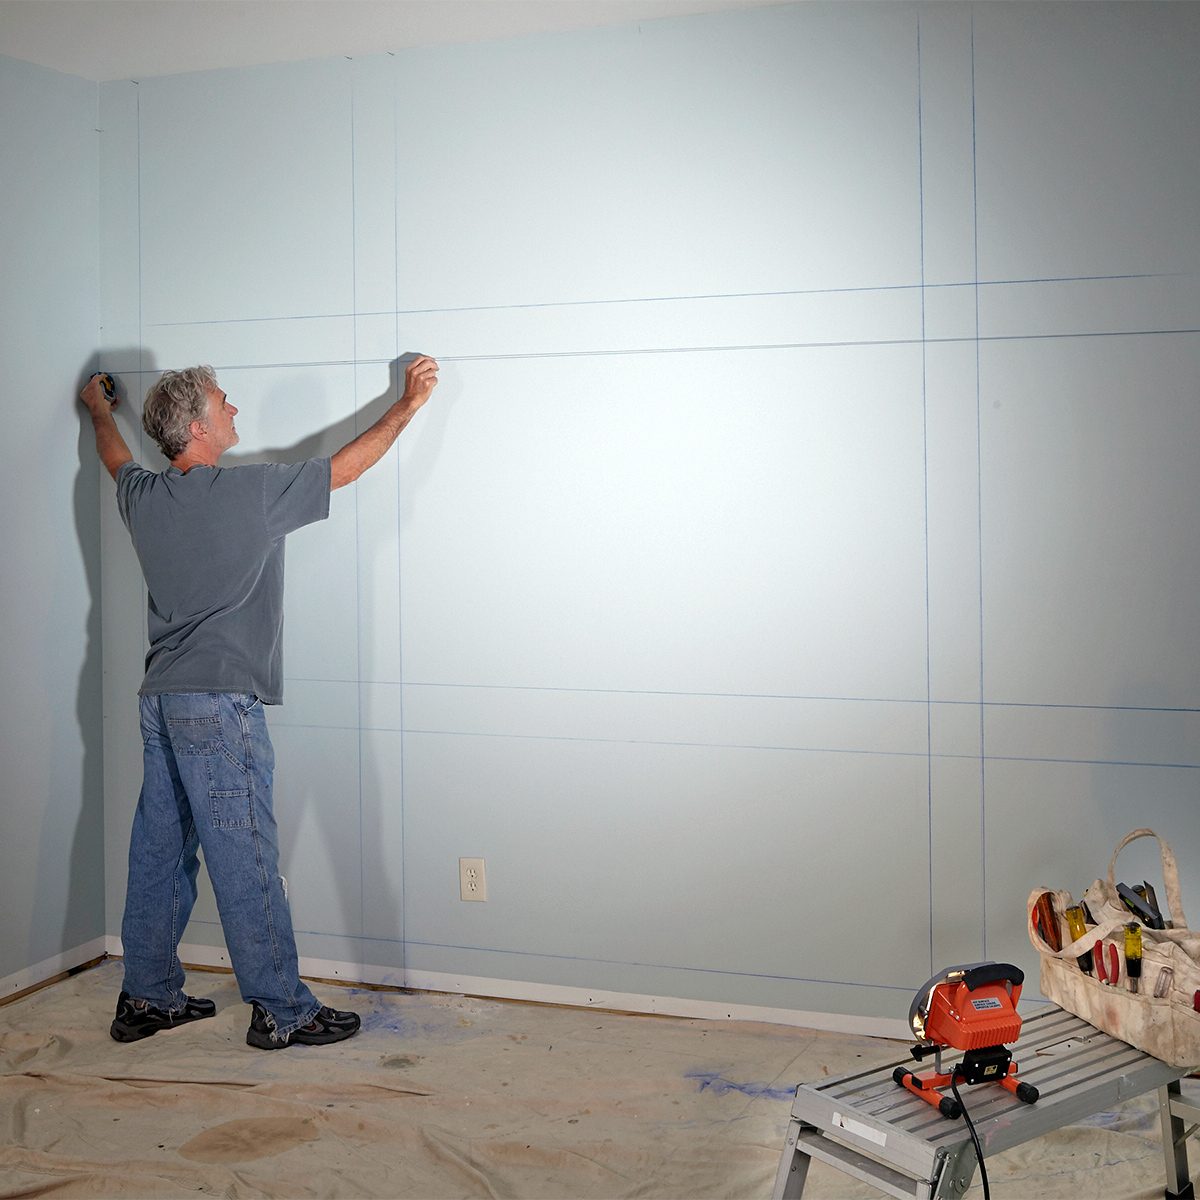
{"x": 68, "y": 960}
{"x": 571, "y": 997}
{"x": 669, "y": 1006}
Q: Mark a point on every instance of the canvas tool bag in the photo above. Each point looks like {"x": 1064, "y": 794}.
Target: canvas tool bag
{"x": 1167, "y": 1027}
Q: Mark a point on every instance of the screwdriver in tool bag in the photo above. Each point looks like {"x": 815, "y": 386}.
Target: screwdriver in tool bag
{"x": 1078, "y": 927}
{"x": 1047, "y": 921}
{"x": 1133, "y": 954}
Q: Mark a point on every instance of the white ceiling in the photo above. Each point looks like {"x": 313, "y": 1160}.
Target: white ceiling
{"x": 132, "y": 39}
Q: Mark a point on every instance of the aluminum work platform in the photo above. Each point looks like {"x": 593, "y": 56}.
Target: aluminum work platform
{"x": 869, "y": 1127}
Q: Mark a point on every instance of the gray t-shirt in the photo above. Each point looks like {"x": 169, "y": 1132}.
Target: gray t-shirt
{"x": 210, "y": 541}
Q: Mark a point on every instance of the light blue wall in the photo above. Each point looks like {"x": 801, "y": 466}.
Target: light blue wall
{"x": 796, "y": 563}
{"x": 51, "y": 803}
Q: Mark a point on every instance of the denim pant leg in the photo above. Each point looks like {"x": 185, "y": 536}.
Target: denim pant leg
{"x": 224, "y": 757}
{"x": 162, "y": 872}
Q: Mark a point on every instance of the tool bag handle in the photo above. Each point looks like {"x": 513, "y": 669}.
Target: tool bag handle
{"x": 1170, "y": 870}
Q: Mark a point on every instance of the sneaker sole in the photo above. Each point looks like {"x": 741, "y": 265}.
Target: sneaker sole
{"x": 123, "y": 1033}
{"x": 264, "y": 1041}
{"x": 131, "y": 1033}
{"x": 136, "y": 1033}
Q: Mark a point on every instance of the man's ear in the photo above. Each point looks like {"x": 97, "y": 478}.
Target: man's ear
{"x": 198, "y": 430}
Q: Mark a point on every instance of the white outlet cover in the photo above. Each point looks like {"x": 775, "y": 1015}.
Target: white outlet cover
{"x": 472, "y": 879}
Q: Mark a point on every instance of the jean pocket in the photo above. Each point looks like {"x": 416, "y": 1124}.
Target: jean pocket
{"x": 231, "y": 809}
{"x": 193, "y": 722}
{"x": 231, "y": 776}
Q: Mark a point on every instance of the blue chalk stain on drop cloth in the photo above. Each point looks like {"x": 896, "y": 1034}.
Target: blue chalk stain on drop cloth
{"x": 390, "y": 1021}
{"x": 711, "y": 1081}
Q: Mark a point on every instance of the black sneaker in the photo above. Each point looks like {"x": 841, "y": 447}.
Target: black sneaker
{"x": 136, "y": 1019}
{"x": 327, "y": 1026}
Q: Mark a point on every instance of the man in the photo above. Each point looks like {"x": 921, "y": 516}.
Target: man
{"x": 210, "y": 542}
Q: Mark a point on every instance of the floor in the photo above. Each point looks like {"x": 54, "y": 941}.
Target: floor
{"x": 448, "y": 1096}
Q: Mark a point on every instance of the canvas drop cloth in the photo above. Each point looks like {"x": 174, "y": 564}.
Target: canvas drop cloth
{"x": 443, "y": 1096}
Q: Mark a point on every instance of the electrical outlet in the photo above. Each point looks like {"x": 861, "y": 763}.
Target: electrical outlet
{"x": 472, "y": 882}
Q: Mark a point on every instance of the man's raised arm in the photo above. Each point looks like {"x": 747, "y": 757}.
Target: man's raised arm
{"x": 420, "y": 378}
{"x": 110, "y": 445}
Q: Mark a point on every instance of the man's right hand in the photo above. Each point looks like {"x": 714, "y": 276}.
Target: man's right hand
{"x": 110, "y": 445}
{"x": 94, "y": 399}
{"x": 420, "y": 378}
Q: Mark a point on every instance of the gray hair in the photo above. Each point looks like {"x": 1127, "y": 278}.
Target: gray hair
{"x": 173, "y": 403}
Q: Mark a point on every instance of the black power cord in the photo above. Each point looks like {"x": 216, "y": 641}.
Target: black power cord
{"x": 987, "y": 1194}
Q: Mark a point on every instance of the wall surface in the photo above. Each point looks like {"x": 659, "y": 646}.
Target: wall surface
{"x": 51, "y": 802}
{"x": 795, "y": 564}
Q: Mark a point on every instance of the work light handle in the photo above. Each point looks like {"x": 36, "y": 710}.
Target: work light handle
{"x": 987, "y": 973}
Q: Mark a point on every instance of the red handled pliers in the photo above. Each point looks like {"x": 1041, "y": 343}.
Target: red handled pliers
{"x": 1113, "y": 975}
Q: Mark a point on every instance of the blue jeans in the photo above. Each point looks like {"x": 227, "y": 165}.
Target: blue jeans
{"x": 208, "y": 765}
